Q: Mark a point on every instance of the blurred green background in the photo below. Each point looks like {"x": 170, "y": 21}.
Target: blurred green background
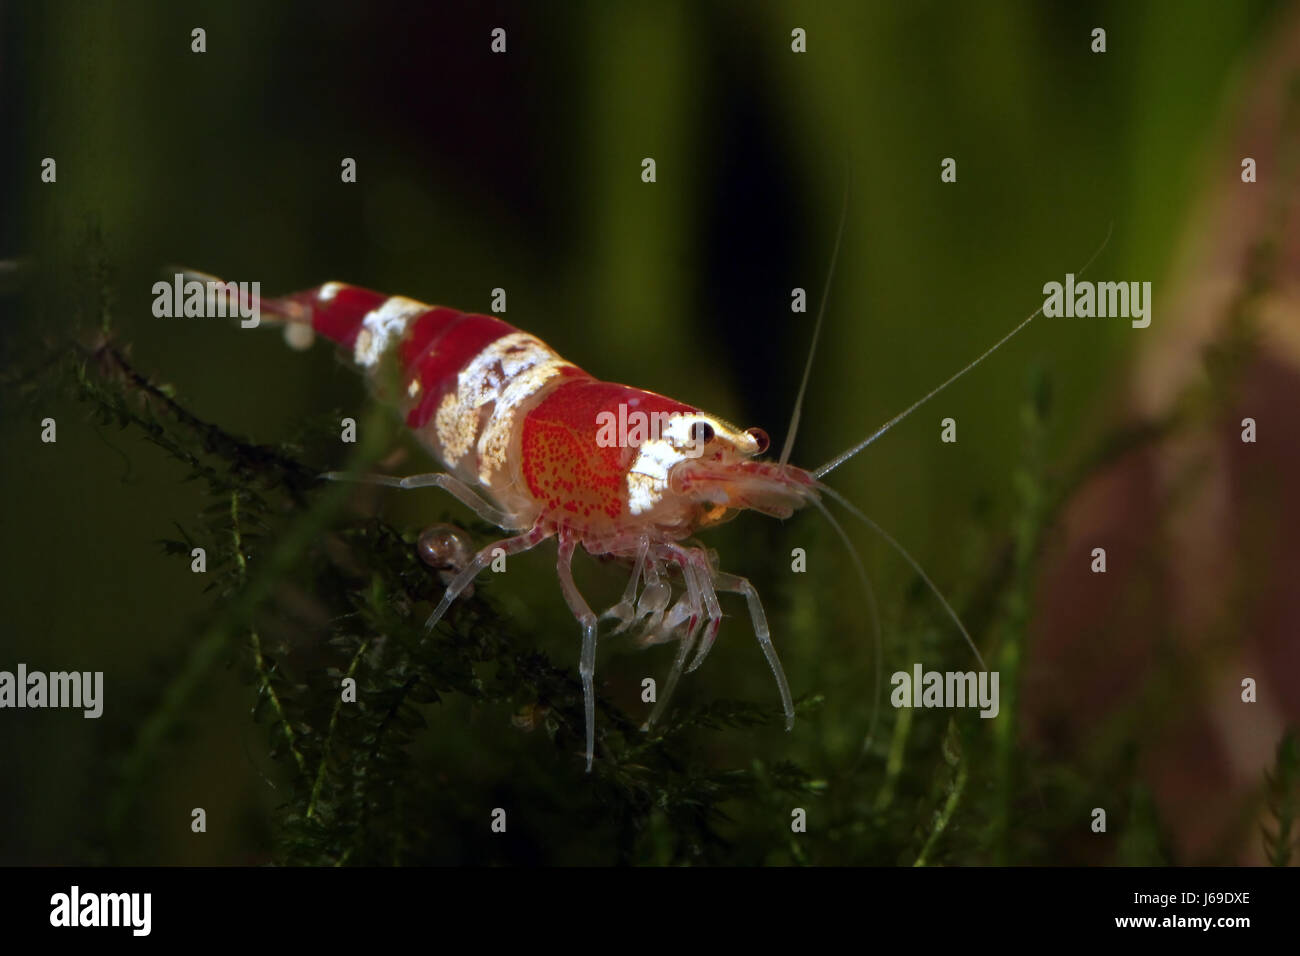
{"x": 523, "y": 171}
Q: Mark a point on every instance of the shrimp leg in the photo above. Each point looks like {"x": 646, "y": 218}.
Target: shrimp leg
{"x": 687, "y": 641}
{"x": 481, "y": 560}
{"x": 587, "y": 661}
{"x": 707, "y": 576}
{"x": 449, "y": 483}
{"x": 735, "y": 584}
{"x": 625, "y": 610}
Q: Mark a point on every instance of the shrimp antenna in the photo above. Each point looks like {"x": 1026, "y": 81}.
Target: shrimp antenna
{"x": 857, "y": 513}
{"x": 817, "y": 326}
{"x": 875, "y": 615}
{"x": 845, "y": 456}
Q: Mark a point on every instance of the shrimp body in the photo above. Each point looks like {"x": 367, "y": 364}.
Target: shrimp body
{"x": 529, "y": 441}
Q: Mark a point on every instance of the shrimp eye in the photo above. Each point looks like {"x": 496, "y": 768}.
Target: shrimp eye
{"x": 759, "y": 436}
{"x": 701, "y": 433}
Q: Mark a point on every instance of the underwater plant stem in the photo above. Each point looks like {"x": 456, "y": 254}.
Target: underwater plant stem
{"x": 329, "y": 734}
{"x": 258, "y": 659}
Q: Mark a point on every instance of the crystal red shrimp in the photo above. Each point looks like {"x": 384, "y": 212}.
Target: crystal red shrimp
{"x": 518, "y": 429}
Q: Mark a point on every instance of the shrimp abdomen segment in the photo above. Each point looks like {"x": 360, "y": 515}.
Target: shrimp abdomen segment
{"x": 415, "y": 351}
{"x": 440, "y": 345}
{"x": 463, "y": 381}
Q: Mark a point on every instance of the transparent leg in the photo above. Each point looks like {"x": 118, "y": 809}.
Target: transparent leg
{"x": 694, "y": 602}
{"x": 587, "y": 660}
{"x": 738, "y": 585}
{"x": 481, "y": 560}
{"x": 449, "y": 483}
